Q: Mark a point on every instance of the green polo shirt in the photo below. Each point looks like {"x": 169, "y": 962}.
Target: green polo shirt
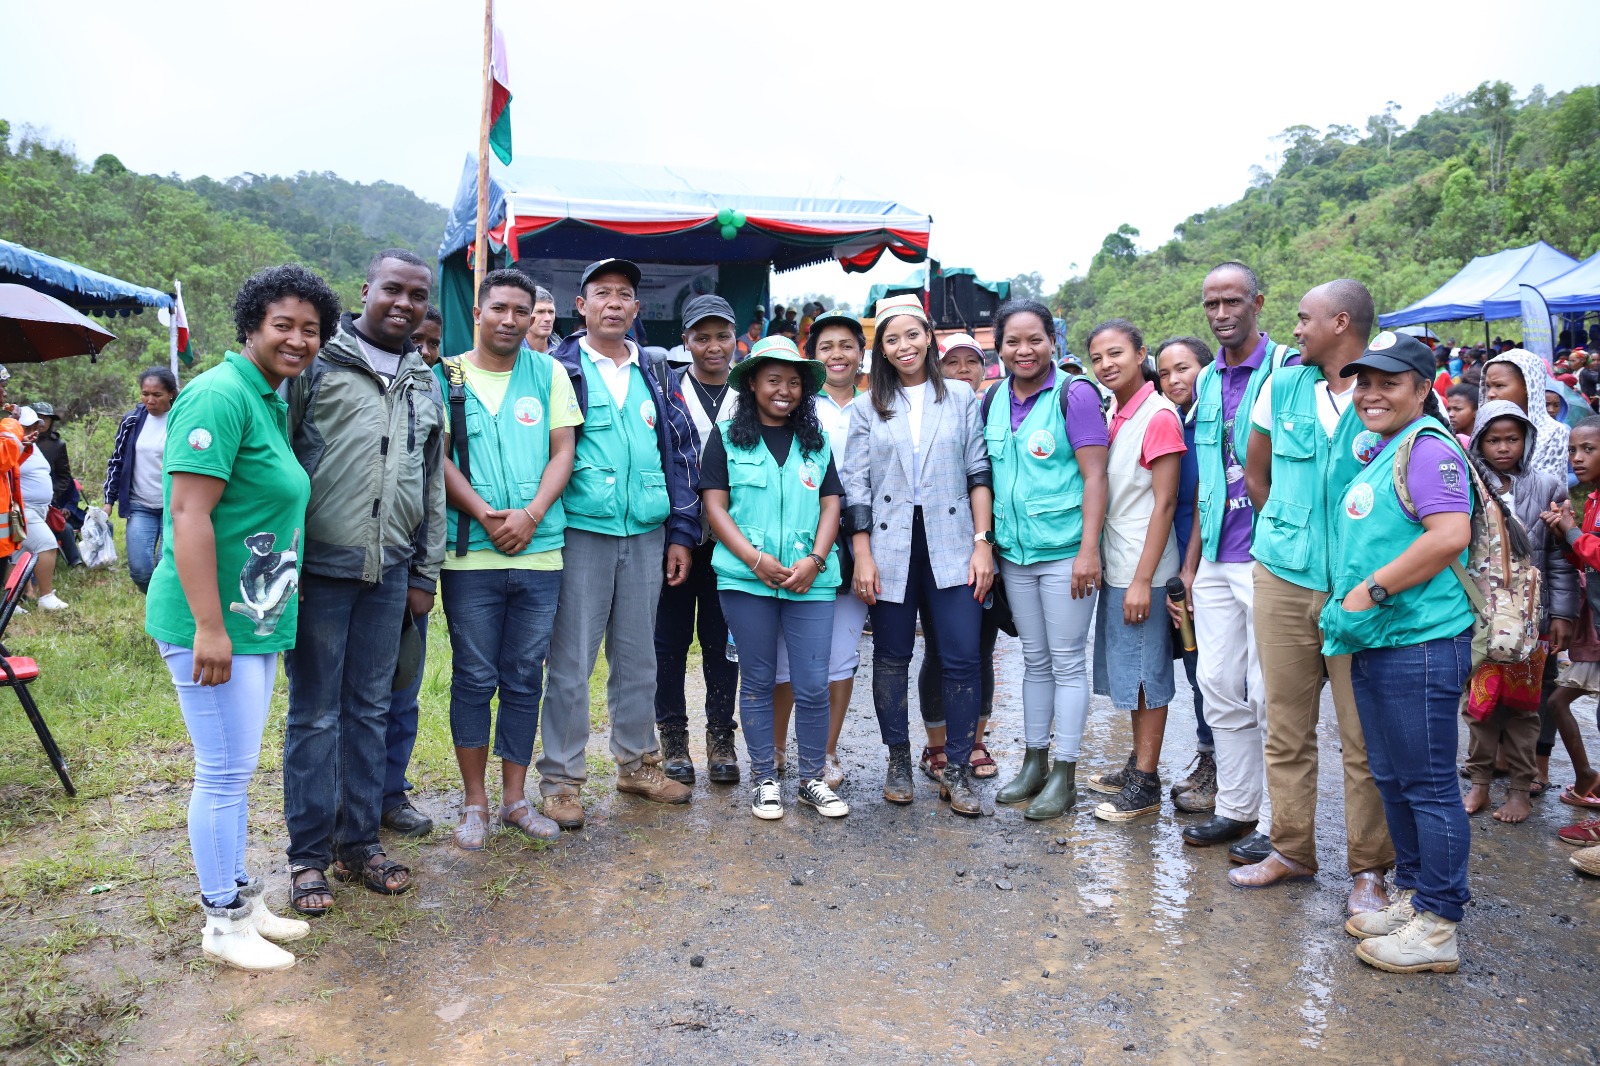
{"x": 229, "y": 424}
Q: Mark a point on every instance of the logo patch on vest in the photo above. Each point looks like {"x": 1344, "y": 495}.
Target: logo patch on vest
{"x": 199, "y": 439}
{"x": 1358, "y": 502}
{"x": 1366, "y": 445}
{"x": 529, "y": 411}
{"x": 1042, "y": 444}
{"x": 647, "y": 411}
{"x": 810, "y": 474}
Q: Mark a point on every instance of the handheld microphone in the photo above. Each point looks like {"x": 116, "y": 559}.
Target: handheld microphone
{"x": 1179, "y": 595}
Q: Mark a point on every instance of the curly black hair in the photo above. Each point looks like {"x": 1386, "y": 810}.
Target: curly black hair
{"x": 266, "y": 287}
{"x": 744, "y": 429}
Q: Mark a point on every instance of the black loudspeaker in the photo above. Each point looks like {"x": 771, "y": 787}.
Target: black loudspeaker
{"x": 959, "y": 303}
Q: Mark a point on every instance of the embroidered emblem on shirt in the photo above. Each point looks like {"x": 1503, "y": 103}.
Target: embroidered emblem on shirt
{"x": 199, "y": 439}
{"x": 810, "y": 474}
{"x": 1366, "y": 445}
{"x": 1042, "y": 444}
{"x": 1358, "y": 502}
{"x": 647, "y": 411}
{"x": 1450, "y": 474}
{"x": 529, "y": 411}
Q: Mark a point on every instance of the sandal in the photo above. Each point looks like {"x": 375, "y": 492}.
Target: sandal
{"x": 1572, "y": 799}
{"x": 534, "y": 825}
{"x": 982, "y": 765}
{"x": 1538, "y": 788}
{"x": 473, "y": 832}
{"x": 933, "y": 762}
{"x": 314, "y": 886}
{"x": 375, "y": 877}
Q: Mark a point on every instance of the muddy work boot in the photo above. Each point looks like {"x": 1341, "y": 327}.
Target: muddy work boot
{"x": 1426, "y": 942}
{"x": 1198, "y": 792}
{"x": 722, "y": 758}
{"x": 1109, "y": 782}
{"x": 955, "y": 788}
{"x": 1140, "y": 795}
{"x": 1057, "y": 796}
{"x": 652, "y": 784}
{"x": 1391, "y": 919}
{"x": 1029, "y": 779}
{"x": 897, "y": 779}
{"x": 675, "y": 761}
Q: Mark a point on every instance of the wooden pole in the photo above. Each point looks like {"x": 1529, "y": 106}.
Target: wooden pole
{"x": 481, "y": 247}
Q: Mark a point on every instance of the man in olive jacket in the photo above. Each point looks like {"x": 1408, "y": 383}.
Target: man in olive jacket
{"x": 367, "y": 422}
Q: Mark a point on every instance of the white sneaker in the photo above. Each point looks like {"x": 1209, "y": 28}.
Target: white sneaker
{"x": 1391, "y": 919}
{"x": 51, "y": 602}
{"x": 1427, "y": 942}
{"x": 269, "y": 925}
{"x": 815, "y": 793}
{"x": 767, "y": 803}
{"x": 231, "y": 937}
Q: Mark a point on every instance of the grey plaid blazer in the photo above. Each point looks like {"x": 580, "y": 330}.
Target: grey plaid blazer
{"x": 877, "y": 484}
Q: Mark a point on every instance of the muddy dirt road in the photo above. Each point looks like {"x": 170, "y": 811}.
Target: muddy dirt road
{"x": 900, "y": 935}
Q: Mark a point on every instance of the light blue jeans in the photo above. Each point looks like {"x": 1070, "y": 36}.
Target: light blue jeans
{"x": 142, "y": 539}
{"x": 225, "y": 723}
{"x": 1054, "y": 631}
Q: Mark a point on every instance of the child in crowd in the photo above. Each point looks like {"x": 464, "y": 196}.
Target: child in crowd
{"x": 1139, "y": 553}
{"x": 1503, "y": 439}
{"x": 1461, "y": 402}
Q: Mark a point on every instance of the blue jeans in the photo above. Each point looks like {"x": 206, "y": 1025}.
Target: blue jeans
{"x": 1202, "y": 731}
{"x": 1408, "y": 700}
{"x": 958, "y": 623}
{"x": 142, "y": 538}
{"x": 806, "y": 627}
{"x": 500, "y": 622}
{"x": 400, "y": 736}
{"x": 225, "y": 723}
{"x": 341, "y": 672}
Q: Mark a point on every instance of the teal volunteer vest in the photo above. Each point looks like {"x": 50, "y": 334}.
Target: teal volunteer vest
{"x": 1370, "y": 530}
{"x": 777, "y": 508}
{"x": 1293, "y": 531}
{"x": 1038, "y": 488}
{"x": 618, "y": 486}
{"x": 1210, "y": 441}
{"x": 508, "y": 451}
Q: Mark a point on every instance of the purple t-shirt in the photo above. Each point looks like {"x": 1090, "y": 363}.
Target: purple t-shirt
{"x": 1086, "y": 424}
{"x": 1435, "y": 478}
{"x": 1234, "y": 544}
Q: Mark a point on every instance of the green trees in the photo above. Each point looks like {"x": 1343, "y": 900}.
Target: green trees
{"x": 1400, "y": 209}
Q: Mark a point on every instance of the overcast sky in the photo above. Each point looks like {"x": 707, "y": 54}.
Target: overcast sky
{"x": 1027, "y": 130}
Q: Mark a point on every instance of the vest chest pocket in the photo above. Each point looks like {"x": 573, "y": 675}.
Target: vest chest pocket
{"x": 746, "y": 471}
{"x": 1208, "y": 423}
{"x": 1282, "y": 537}
{"x": 1294, "y": 438}
{"x": 598, "y": 416}
{"x": 592, "y": 490}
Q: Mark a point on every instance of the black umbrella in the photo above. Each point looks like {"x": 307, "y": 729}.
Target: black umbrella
{"x": 35, "y": 328}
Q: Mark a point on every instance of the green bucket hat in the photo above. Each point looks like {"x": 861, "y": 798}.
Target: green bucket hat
{"x": 782, "y": 350}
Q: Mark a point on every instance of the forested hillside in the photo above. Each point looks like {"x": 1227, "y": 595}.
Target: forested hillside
{"x": 1398, "y": 208}
{"x": 209, "y": 234}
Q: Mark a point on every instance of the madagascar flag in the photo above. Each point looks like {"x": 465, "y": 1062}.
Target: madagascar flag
{"x": 499, "y": 100}
{"x": 181, "y": 321}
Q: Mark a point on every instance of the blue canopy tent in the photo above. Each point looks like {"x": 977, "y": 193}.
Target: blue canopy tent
{"x": 81, "y": 289}
{"x": 1577, "y": 290}
{"x": 1485, "y": 288}
{"x": 690, "y": 230}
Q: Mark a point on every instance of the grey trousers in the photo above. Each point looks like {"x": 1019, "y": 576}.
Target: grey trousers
{"x": 609, "y": 590}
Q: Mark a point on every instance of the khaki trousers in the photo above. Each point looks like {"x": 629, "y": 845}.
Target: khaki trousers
{"x": 1289, "y": 644}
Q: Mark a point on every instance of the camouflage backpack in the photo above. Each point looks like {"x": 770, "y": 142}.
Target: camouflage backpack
{"x": 1500, "y": 579}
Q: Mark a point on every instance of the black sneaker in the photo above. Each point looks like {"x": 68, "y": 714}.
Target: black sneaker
{"x": 1140, "y": 795}
{"x": 814, "y": 793}
{"x": 1109, "y": 782}
{"x": 766, "y": 801}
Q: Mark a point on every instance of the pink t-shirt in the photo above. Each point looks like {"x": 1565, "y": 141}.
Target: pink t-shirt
{"x": 1164, "y": 434}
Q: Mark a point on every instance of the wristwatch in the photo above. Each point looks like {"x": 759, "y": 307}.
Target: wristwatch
{"x": 984, "y": 537}
{"x": 822, "y": 564}
{"x": 1376, "y": 591}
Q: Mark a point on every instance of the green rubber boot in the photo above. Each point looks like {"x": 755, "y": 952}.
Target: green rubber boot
{"x": 1029, "y": 779}
{"x": 1060, "y": 792}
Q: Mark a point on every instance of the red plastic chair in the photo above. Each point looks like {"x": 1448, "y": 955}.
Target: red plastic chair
{"x": 17, "y": 671}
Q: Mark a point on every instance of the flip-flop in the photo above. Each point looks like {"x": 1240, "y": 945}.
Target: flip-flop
{"x": 1537, "y": 788}
{"x": 1572, "y": 799}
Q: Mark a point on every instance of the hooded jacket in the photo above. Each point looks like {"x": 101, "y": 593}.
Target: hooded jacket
{"x": 1550, "y": 457}
{"x": 375, "y": 457}
{"x": 1531, "y": 493}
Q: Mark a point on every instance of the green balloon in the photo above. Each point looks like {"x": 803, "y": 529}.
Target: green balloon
{"x": 725, "y": 216}
{"x": 738, "y": 218}
{"x": 730, "y": 231}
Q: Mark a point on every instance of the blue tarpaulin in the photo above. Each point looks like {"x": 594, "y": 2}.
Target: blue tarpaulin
{"x": 1485, "y": 287}
{"x": 1575, "y": 291}
{"x": 78, "y": 287}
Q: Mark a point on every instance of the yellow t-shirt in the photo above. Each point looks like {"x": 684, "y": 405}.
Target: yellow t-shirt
{"x": 490, "y": 388}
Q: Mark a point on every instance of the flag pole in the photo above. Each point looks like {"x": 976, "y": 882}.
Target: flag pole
{"x": 481, "y": 247}
{"x": 172, "y": 327}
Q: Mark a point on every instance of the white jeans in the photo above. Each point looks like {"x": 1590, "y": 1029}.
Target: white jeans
{"x": 1229, "y": 674}
{"x": 1054, "y": 631}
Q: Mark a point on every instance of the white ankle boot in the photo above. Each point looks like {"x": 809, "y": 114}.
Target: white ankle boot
{"x": 270, "y": 925}
{"x": 1427, "y": 942}
{"x": 231, "y": 937}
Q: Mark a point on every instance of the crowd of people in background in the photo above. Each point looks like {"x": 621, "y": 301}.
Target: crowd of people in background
{"x": 1272, "y": 515}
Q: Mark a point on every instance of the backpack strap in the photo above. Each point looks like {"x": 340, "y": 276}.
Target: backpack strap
{"x": 987, "y": 401}
{"x": 1402, "y": 463}
{"x": 456, "y": 380}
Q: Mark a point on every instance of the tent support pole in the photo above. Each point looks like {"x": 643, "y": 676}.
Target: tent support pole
{"x": 481, "y": 246}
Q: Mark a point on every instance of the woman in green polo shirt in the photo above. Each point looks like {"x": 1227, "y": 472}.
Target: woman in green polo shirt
{"x": 223, "y": 599}
{"x": 771, "y": 494}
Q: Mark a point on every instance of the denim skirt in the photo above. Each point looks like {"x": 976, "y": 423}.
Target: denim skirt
{"x": 1126, "y": 657}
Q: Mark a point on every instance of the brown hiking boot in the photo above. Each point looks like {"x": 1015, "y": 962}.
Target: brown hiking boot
{"x": 1198, "y": 792}
{"x": 675, "y": 761}
{"x": 722, "y": 758}
{"x": 652, "y": 784}
{"x": 564, "y": 809}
